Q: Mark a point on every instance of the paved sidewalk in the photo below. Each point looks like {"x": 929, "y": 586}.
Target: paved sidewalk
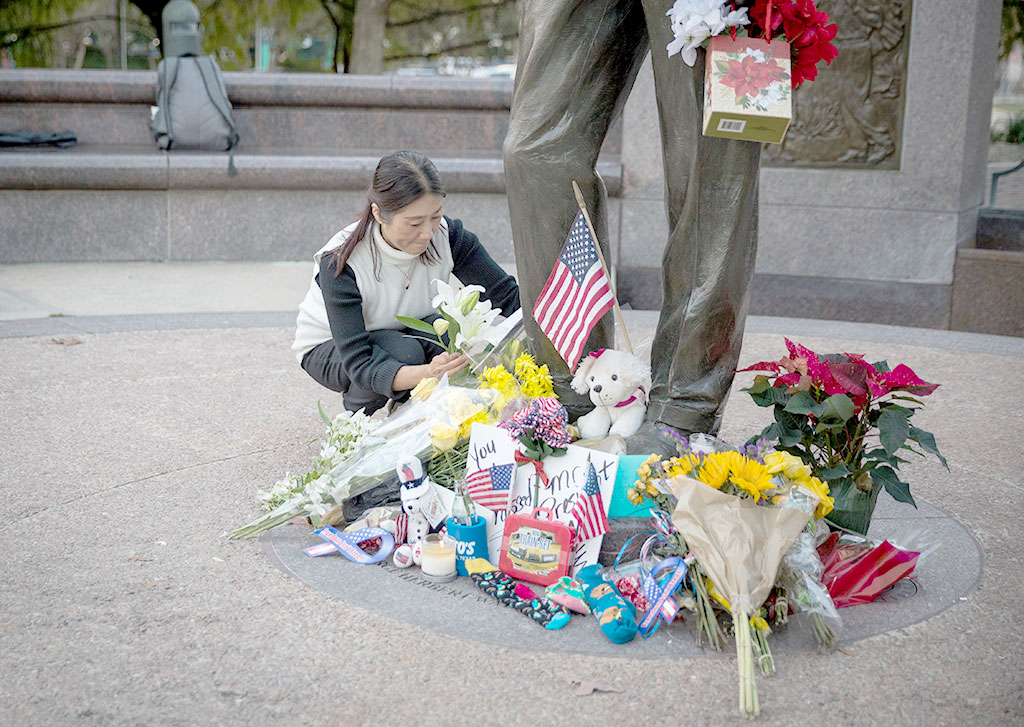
{"x": 136, "y": 440}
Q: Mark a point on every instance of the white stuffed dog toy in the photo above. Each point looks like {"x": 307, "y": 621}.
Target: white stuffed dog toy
{"x": 618, "y": 383}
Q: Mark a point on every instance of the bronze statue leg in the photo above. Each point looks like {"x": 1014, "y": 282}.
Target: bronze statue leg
{"x": 711, "y": 189}
{"x": 577, "y": 62}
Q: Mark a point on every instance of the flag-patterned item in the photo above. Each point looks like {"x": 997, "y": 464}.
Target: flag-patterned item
{"x": 588, "y": 512}
{"x": 490, "y": 487}
{"x": 576, "y": 294}
{"x": 401, "y": 528}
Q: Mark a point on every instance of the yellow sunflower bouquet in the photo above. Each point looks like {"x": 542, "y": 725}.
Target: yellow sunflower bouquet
{"x": 748, "y": 521}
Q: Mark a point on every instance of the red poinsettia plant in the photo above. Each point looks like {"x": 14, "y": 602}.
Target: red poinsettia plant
{"x": 848, "y": 420}
{"x": 804, "y": 27}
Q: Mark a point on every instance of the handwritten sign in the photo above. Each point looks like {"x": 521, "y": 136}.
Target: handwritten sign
{"x": 489, "y": 446}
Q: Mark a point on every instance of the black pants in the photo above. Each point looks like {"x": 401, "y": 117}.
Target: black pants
{"x": 324, "y": 364}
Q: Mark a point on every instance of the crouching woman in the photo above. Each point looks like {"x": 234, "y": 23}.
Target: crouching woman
{"x": 383, "y": 265}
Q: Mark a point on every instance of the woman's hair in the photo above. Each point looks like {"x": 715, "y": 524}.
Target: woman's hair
{"x": 401, "y": 178}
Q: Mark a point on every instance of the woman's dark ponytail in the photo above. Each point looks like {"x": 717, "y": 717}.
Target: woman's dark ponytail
{"x": 400, "y": 179}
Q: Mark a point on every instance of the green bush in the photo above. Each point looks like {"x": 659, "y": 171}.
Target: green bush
{"x": 1015, "y": 130}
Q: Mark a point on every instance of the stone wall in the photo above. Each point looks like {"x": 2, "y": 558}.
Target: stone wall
{"x": 861, "y": 241}
{"x": 309, "y": 143}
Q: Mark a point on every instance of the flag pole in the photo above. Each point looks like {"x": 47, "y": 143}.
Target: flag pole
{"x": 604, "y": 266}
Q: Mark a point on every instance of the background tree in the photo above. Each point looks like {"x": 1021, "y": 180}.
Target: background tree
{"x": 1012, "y": 30}
{"x": 359, "y": 36}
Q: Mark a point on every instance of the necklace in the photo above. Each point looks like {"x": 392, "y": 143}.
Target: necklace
{"x": 407, "y": 273}
{"x": 407, "y": 270}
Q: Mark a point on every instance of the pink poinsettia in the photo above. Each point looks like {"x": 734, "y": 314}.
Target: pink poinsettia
{"x": 851, "y": 374}
{"x": 903, "y": 379}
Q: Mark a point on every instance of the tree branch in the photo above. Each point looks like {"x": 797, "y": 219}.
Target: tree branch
{"x": 30, "y": 30}
{"x": 445, "y": 13}
{"x": 448, "y": 49}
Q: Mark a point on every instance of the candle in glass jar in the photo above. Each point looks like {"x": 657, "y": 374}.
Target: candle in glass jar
{"x": 438, "y": 555}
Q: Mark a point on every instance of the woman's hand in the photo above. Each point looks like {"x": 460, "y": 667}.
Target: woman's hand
{"x": 443, "y": 363}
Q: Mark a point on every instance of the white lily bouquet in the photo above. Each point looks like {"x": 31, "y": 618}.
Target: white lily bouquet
{"x": 466, "y": 325}
{"x": 467, "y": 321}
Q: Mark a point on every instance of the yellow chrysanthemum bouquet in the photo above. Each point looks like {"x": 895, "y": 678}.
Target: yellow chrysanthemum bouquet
{"x": 510, "y": 384}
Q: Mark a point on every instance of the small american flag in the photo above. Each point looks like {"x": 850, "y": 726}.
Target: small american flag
{"x": 588, "y": 512}
{"x": 576, "y": 294}
{"x": 490, "y": 487}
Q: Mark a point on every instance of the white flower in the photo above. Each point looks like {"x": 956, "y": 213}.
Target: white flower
{"x": 694, "y": 21}
{"x": 477, "y": 326}
{"x": 450, "y": 301}
{"x": 757, "y": 55}
{"x": 737, "y": 18}
{"x": 315, "y": 497}
{"x": 474, "y": 317}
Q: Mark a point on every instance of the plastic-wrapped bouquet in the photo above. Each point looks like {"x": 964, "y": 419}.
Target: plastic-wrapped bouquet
{"x": 512, "y": 386}
{"x": 741, "y": 518}
{"x": 376, "y": 454}
{"x": 339, "y": 443}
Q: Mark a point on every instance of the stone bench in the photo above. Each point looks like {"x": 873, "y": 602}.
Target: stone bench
{"x": 309, "y": 144}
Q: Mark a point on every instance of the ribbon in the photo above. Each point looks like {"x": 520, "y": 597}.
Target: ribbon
{"x": 630, "y": 400}
{"x": 538, "y": 466}
{"x": 660, "y": 594}
{"x": 351, "y": 545}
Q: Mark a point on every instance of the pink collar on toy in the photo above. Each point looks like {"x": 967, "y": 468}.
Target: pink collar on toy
{"x": 638, "y": 394}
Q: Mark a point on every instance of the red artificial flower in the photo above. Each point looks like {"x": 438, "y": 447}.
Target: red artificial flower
{"x": 760, "y": 10}
{"x": 810, "y": 35}
{"x": 804, "y": 65}
{"x": 804, "y": 23}
{"x": 748, "y": 77}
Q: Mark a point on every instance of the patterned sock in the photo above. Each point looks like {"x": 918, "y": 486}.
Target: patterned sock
{"x": 616, "y": 615}
{"x": 505, "y": 590}
{"x": 568, "y": 592}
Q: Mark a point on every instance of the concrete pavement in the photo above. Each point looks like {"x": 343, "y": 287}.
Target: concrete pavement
{"x": 140, "y": 424}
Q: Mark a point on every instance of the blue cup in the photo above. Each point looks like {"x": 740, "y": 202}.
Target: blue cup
{"x": 471, "y": 542}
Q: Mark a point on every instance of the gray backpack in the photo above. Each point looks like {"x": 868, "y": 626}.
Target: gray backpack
{"x": 193, "y": 111}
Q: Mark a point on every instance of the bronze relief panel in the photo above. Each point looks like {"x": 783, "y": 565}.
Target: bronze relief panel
{"x": 851, "y": 116}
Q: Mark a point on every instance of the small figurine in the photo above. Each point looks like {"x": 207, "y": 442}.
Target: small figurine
{"x": 618, "y": 383}
{"x": 415, "y": 487}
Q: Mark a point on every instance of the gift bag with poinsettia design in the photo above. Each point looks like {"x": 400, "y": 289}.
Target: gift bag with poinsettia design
{"x": 748, "y": 92}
